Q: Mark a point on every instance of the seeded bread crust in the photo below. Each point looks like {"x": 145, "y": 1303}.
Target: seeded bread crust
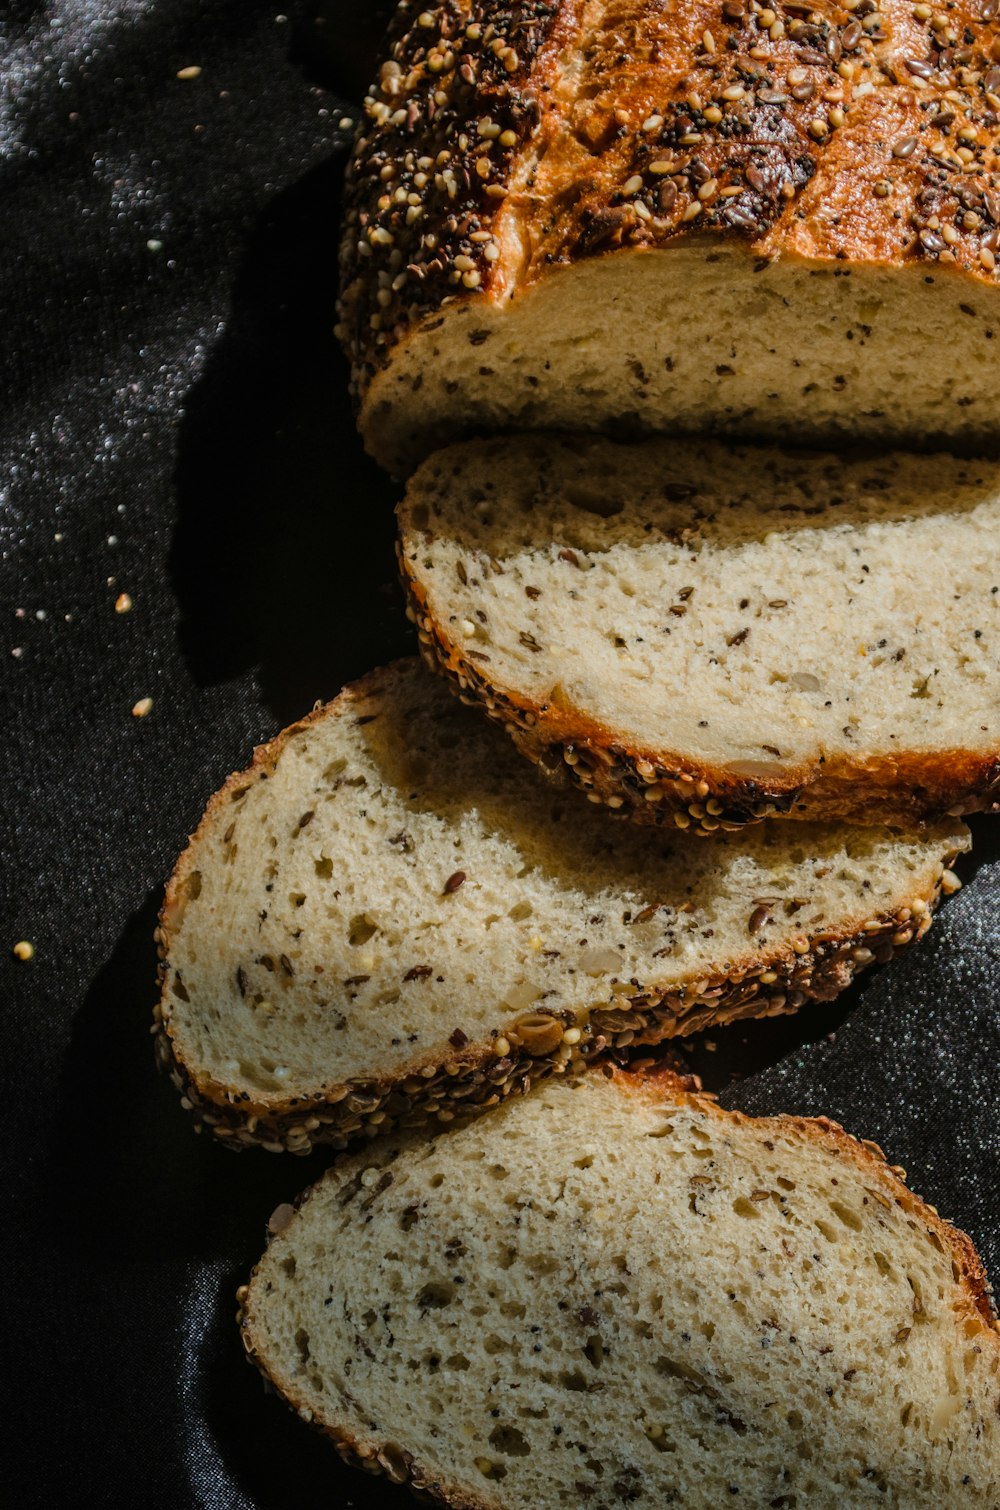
{"x": 659, "y": 786}
{"x": 506, "y": 146}
{"x": 437, "y": 1086}
{"x": 378, "y": 1455}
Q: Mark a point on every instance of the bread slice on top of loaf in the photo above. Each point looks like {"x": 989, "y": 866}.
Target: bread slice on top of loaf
{"x": 692, "y": 217}
{"x": 702, "y": 635}
{"x": 617, "y": 1293}
{"x": 390, "y": 917}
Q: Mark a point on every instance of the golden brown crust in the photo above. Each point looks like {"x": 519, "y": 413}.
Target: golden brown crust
{"x": 462, "y": 1078}
{"x": 886, "y": 1181}
{"x": 503, "y": 140}
{"x": 661, "y": 786}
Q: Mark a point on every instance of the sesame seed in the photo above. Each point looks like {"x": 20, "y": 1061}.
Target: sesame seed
{"x": 142, "y": 708}
{"x": 123, "y": 603}
{"x": 501, "y": 1047}
{"x": 633, "y": 184}
{"x": 950, "y": 883}
{"x": 192, "y": 71}
{"x": 23, "y": 950}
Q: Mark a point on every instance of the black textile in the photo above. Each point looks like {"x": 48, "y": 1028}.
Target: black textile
{"x": 175, "y": 426}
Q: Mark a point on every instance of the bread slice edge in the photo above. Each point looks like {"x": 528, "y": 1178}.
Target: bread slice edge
{"x": 449, "y": 1079}
{"x": 894, "y": 787}
{"x": 383, "y": 1456}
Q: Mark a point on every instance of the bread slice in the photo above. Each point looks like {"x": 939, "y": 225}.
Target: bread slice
{"x": 587, "y": 216}
{"x": 390, "y": 918}
{"x": 705, "y": 635}
{"x": 618, "y": 1293}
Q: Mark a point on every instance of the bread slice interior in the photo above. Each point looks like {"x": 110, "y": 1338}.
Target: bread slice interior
{"x": 618, "y": 1293}
{"x": 391, "y": 903}
{"x": 818, "y": 630}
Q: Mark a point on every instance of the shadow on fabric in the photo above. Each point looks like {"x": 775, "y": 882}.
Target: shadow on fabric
{"x": 191, "y": 1236}
{"x": 282, "y": 558}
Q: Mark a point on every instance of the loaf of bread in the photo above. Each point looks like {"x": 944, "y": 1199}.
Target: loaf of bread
{"x": 774, "y": 221}
{"x": 389, "y": 917}
{"x": 704, "y": 635}
{"x": 616, "y": 1293}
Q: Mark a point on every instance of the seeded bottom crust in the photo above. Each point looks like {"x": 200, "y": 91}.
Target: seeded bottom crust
{"x": 663, "y": 788}
{"x": 389, "y": 1459}
{"x": 474, "y": 1077}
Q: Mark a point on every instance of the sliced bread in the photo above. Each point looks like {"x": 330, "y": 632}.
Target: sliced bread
{"x": 389, "y": 917}
{"x": 704, "y": 635}
{"x": 618, "y": 1293}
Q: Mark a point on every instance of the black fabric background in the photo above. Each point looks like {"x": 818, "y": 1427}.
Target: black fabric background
{"x": 175, "y": 425}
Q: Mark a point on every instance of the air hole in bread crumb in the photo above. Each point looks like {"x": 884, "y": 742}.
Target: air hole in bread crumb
{"x": 491, "y": 1470}
{"x": 846, "y": 1215}
{"x": 436, "y": 1294}
{"x": 594, "y": 1350}
{"x": 510, "y": 1441}
{"x": 362, "y": 929}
